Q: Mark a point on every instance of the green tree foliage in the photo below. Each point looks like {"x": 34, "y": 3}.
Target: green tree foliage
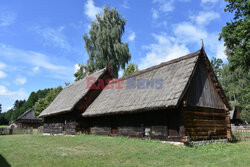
{"x": 81, "y": 73}
{"x": 104, "y": 44}
{"x": 235, "y": 77}
{"x": 236, "y": 86}
{"x": 130, "y": 69}
{"x": 217, "y": 65}
{"x": 236, "y": 34}
{"x": 43, "y": 103}
{"x": 20, "y": 106}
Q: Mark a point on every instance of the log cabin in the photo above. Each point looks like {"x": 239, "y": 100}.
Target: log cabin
{"x": 63, "y": 115}
{"x": 28, "y": 120}
{"x": 179, "y": 100}
{"x": 235, "y": 116}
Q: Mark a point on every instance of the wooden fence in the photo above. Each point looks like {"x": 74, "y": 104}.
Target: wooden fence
{"x": 241, "y": 133}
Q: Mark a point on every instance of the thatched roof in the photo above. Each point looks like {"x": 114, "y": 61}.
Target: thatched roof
{"x": 28, "y": 115}
{"x": 70, "y": 96}
{"x": 176, "y": 76}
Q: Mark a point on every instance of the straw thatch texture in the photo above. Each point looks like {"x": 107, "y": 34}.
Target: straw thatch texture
{"x": 175, "y": 75}
{"x": 69, "y": 96}
{"x": 28, "y": 115}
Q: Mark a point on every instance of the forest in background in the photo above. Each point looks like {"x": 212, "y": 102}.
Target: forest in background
{"x": 38, "y": 100}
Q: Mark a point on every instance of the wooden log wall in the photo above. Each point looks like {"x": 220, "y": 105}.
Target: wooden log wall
{"x": 46, "y": 128}
{"x": 131, "y": 131}
{"x": 29, "y": 125}
{"x": 204, "y": 123}
{"x": 53, "y": 125}
{"x": 161, "y": 124}
{"x": 56, "y": 128}
{"x": 70, "y": 128}
{"x": 159, "y": 132}
{"x": 100, "y": 130}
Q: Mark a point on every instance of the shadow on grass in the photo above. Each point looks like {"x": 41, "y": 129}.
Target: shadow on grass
{"x": 4, "y": 162}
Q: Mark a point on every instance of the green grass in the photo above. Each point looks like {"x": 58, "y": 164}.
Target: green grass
{"x": 3, "y": 126}
{"x": 88, "y": 150}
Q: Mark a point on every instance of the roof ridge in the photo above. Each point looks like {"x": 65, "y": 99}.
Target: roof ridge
{"x": 23, "y": 114}
{"x": 162, "y": 64}
{"x": 83, "y": 78}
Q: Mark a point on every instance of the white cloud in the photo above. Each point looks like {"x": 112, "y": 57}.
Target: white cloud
{"x": 35, "y": 69}
{"x": 220, "y": 53}
{"x": 188, "y": 33}
{"x": 125, "y": 4}
{"x": 20, "y": 80}
{"x": 204, "y": 17}
{"x": 76, "y": 67}
{"x": 120, "y": 73}
{"x": 209, "y": 1}
{"x": 3, "y": 74}
{"x": 164, "y": 49}
{"x": 155, "y": 13}
{"x": 36, "y": 59}
{"x": 2, "y": 65}
{"x": 209, "y": 4}
{"x": 132, "y": 36}
{"x": 7, "y": 18}
{"x": 165, "y": 5}
{"x": 53, "y": 36}
{"x": 91, "y": 10}
{"x": 13, "y": 95}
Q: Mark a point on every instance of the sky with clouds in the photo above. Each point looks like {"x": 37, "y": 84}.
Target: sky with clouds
{"x": 41, "y": 41}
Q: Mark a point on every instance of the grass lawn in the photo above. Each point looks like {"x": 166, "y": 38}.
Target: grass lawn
{"x": 3, "y": 126}
{"x": 88, "y": 150}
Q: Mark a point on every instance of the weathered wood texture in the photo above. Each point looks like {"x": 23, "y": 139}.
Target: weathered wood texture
{"x": 205, "y": 123}
{"x": 159, "y": 132}
{"x": 71, "y": 122}
{"x": 70, "y": 128}
{"x": 202, "y": 91}
{"x": 165, "y": 125}
{"x": 100, "y": 130}
{"x": 29, "y": 125}
{"x": 131, "y": 131}
{"x": 53, "y": 128}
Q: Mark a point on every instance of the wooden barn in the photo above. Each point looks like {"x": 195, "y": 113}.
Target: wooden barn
{"x": 28, "y": 120}
{"x": 235, "y": 117}
{"x": 63, "y": 115}
{"x": 178, "y": 100}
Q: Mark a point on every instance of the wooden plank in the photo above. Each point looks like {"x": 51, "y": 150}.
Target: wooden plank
{"x": 191, "y": 117}
{"x": 209, "y": 133}
{"x": 197, "y": 113}
{"x": 131, "y": 131}
{"x": 200, "y": 121}
{"x": 195, "y": 138}
{"x": 204, "y": 129}
{"x": 202, "y": 109}
{"x": 193, "y": 125}
{"x": 159, "y": 132}
{"x": 100, "y": 130}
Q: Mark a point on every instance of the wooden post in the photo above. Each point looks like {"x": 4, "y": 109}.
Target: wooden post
{"x": 229, "y": 131}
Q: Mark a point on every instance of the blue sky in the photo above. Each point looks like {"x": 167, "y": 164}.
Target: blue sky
{"x": 41, "y": 41}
